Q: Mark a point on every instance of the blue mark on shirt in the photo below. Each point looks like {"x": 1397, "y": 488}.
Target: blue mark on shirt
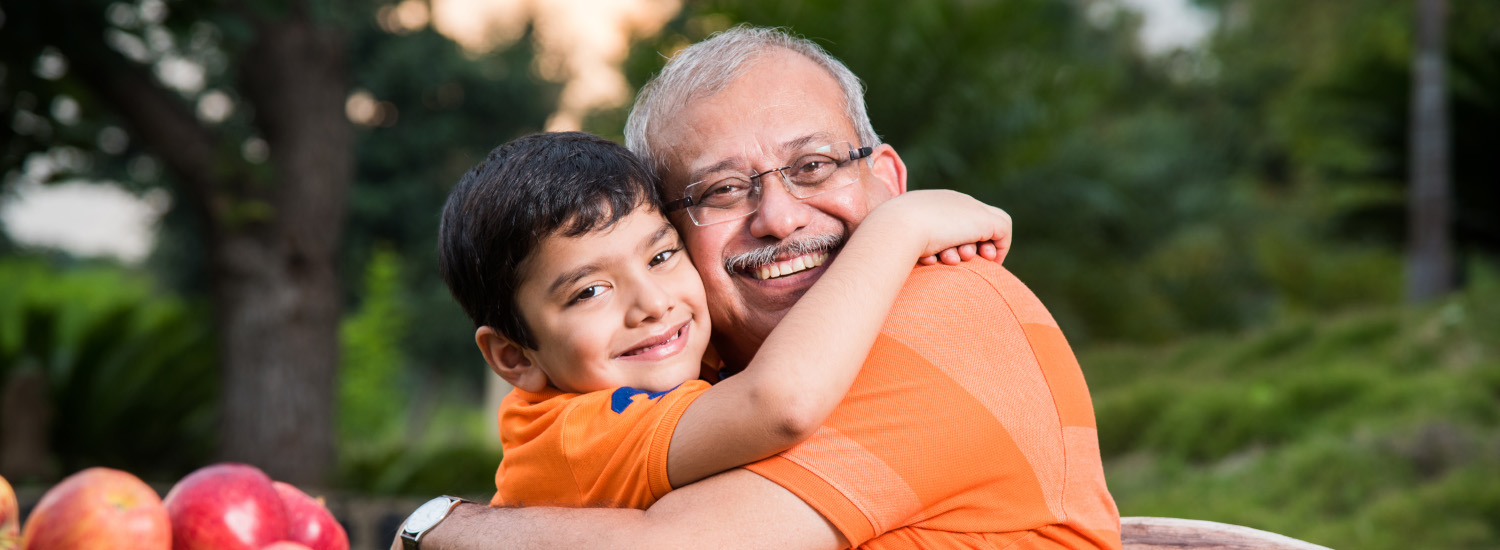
{"x": 622, "y": 398}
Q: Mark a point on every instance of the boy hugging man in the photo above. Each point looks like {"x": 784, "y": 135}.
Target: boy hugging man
{"x": 559, "y": 248}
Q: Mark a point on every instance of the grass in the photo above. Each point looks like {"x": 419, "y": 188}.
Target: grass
{"x": 1372, "y": 429}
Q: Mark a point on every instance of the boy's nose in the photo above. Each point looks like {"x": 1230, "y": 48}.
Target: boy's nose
{"x": 651, "y": 304}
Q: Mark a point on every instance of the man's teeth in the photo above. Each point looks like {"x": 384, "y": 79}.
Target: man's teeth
{"x": 788, "y": 267}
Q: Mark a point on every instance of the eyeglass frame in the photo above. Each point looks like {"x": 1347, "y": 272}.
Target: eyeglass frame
{"x": 686, "y": 202}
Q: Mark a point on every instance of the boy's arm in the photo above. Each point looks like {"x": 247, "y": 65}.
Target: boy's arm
{"x": 805, "y": 366}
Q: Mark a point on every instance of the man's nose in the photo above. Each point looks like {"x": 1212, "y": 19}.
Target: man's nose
{"x": 650, "y": 304}
{"x": 780, "y": 214}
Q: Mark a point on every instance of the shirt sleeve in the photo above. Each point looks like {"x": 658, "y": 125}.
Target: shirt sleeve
{"x": 605, "y": 449}
{"x": 956, "y": 421}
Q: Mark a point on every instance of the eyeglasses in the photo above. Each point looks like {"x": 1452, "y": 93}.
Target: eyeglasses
{"x": 809, "y": 174}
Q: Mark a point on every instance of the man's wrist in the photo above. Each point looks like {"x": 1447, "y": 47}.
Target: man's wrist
{"x": 443, "y": 536}
{"x": 415, "y": 531}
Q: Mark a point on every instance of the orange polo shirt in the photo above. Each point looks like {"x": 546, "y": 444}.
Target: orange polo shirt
{"x": 969, "y": 427}
{"x": 598, "y": 449}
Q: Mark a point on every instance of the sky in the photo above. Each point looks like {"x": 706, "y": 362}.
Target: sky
{"x": 583, "y": 43}
{"x": 1171, "y": 24}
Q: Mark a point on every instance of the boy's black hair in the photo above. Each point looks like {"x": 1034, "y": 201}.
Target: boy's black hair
{"x": 563, "y": 183}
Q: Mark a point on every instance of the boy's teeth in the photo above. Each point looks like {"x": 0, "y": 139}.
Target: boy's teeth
{"x": 674, "y": 336}
{"x": 788, "y": 267}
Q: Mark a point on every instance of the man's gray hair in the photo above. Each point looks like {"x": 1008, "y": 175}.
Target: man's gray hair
{"x": 706, "y": 68}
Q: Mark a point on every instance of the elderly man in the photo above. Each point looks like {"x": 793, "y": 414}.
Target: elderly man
{"x": 970, "y": 425}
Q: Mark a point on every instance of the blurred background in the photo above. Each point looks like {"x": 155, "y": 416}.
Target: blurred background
{"x": 1270, "y": 228}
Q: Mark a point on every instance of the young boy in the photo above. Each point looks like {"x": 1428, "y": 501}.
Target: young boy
{"x": 557, "y": 247}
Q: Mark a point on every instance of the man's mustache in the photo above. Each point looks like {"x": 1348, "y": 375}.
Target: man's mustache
{"x": 748, "y": 262}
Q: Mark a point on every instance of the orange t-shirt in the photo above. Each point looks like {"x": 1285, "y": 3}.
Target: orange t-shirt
{"x": 598, "y": 449}
{"x": 970, "y": 426}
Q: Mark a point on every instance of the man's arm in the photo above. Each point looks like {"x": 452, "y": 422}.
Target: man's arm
{"x": 735, "y": 509}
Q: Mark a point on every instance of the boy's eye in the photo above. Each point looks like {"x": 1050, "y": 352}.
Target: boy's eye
{"x": 592, "y": 291}
{"x": 662, "y": 257}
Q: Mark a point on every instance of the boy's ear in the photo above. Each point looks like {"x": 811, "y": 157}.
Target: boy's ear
{"x": 509, "y": 360}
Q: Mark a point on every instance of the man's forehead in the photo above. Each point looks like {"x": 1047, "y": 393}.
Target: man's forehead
{"x": 752, "y": 119}
{"x": 705, "y": 149}
{"x": 741, "y": 157}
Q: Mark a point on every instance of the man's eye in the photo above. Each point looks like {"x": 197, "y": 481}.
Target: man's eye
{"x": 662, "y": 257}
{"x": 813, "y": 168}
{"x": 723, "y": 193}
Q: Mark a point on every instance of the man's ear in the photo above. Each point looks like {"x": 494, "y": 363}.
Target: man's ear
{"x": 886, "y": 166}
{"x": 509, "y": 360}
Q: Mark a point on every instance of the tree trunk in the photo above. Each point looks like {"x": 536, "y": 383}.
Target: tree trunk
{"x": 273, "y": 238}
{"x": 1429, "y": 259}
{"x": 277, "y": 284}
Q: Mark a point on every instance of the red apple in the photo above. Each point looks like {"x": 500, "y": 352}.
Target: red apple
{"x": 225, "y": 507}
{"x": 285, "y": 545}
{"x": 310, "y": 522}
{"x": 10, "y": 517}
{"x": 98, "y": 508}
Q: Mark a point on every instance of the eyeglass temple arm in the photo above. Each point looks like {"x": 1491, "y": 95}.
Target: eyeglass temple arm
{"x": 860, "y": 153}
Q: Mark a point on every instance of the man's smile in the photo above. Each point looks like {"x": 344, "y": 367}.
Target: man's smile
{"x": 773, "y": 262}
{"x": 788, "y": 267}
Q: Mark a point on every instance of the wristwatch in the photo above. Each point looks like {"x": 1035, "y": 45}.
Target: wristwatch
{"x": 425, "y": 518}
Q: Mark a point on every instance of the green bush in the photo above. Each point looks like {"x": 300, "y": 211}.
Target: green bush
{"x": 1369, "y": 429}
{"x": 130, "y": 373}
{"x": 453, "y": 450}
{"x": 398, "y": 434}
{"x": 372, "y": 399}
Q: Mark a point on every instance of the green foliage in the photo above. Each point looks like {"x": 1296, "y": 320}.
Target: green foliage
{"x": 454, "y": 107}
{"x": 372, "y": 399}
{"x": 130, "y": 374}
{"x": 1323, "y": 92}
{"x": 1160, "y": 195}
{"x": 1130, "y": 221}
{"x": 454, "y": 450}
{"x": 397, "y": 435}
{"x": 1318, "y": 275}
{"x": 1371, "y": 429}
{"x": 459, "y": 469}
{"x": 409, "y": 345}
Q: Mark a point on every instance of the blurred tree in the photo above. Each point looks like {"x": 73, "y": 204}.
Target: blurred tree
{"x": 1429, "y": 262}
{"x": 454, "y": 106}
{"x": 1323, "y": 99}
{"x": 271, "y": 231}
{"x": 255, "y": 138}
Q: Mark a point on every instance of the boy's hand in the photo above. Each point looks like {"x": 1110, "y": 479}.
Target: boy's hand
{"x": 949, "y": 227}
{"x": 958, "y": 254}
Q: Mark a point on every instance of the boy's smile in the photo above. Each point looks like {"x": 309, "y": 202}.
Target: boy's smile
{"x": 618, "y": 307}
{"x": 659, "y": 347}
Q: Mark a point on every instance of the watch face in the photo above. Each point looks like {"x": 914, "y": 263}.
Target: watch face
{"x": 427, "y": 515}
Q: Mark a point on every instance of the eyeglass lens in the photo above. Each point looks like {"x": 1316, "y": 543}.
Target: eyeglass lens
{"x": 808, "y": 174}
